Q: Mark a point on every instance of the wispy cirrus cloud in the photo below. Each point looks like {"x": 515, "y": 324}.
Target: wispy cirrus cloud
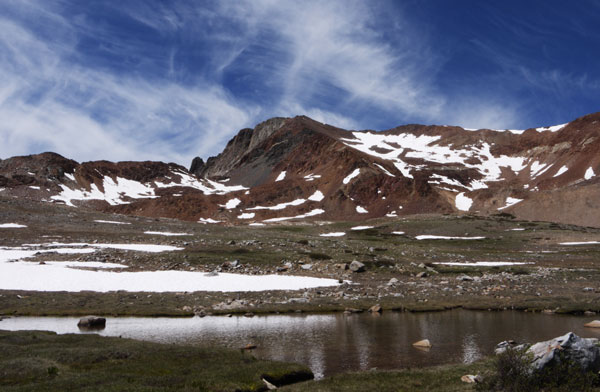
{"x": 169, "y": 81}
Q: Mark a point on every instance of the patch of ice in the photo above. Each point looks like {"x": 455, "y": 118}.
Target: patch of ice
{"x": 537, "y": 168}
{"x": 392, "y": 214}
{"x": 112, "y": 222}
{"x": 440, "y": 237}
{"x": 256, "y": 224}
{"x": 11, "y": 226}
{"x": 350, "y": 176}
{"x": 246, "y": 215}
{"x": 280, "y": 177}
{"x": 398, "y": 232}
{"x": 561, "y": 171}
{"x": 334, "y": 234}
{"x": 361, "y": 210}
{"x": 361, "y": 227}
{"x": 589, "y": 173}
{"x": 231, "y": 204}
{"x": 165, "y": 233}
{"x": 314, "y": 212}
{"x": 85, "y": 264}
{"x": 518, "y": 229}
{"x": 484, "y": 263}
{"x": 510, "y": 201}
{"x": 317, "y": 196}
{"x": 463, "y": 202}
{"x": 34, "y": 187}
{"x": 208, "y": 220}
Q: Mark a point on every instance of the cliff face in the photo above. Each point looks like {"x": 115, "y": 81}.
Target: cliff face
{"x": 297, "y": 168}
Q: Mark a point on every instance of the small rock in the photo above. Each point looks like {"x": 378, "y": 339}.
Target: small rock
{"x": 249, "y": 314}
{"x": 42, "y": 263}
{"x": 306, "y": 266}
{"x": 470, "y": 379}
{"x": 588, "y": 289}
{"x": 593, "y": 324}
{"x": 232, "y": 242}
{"x": 357, "y": 266}
{"x": 422, "y": 274}
{"x": 250, "y": 346}
{"x": 425, "y": 343}
{"x": 186, "y": 309}
{"x": 392, "y": 282}
{"x": 375, "y": 309}
{"x": 465, "y": 278}
{"x": 353, "y": 310}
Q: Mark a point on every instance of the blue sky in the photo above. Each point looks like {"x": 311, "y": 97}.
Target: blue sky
{"x": 170, "y": 80}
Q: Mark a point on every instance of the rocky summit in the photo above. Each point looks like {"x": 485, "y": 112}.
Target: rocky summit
{"x": 293, "y": 169}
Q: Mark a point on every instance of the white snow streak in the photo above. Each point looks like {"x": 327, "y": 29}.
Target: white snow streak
{"x": 589, "y": 173}
{"x": 280, "y": 177}
{"x": 350, "y": 176}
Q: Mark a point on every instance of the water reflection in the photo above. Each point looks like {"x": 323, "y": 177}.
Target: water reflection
{"x": 335, "y": 343}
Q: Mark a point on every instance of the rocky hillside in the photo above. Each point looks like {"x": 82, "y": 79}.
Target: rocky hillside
{"x": 288, "y": 169}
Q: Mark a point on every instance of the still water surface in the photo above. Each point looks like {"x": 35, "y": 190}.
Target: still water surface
{"x": 334, "y": 343}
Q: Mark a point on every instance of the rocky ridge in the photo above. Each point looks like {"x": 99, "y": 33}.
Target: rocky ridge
{"x": 293, "y": 169}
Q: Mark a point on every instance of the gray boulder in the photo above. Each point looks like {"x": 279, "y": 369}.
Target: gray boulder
{"x": 357, "y": 266}
{"x": 570, "y": 347}
{"x": 92, "y": 322}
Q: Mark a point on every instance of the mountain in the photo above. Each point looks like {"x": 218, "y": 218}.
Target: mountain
{"x": 289, "y": 169}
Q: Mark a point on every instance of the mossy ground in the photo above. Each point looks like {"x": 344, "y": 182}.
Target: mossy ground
{"x": 44, "y": 361}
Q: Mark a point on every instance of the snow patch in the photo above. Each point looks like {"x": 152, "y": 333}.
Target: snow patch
{"x": 510, "y": 201}
{"x": 165, "y": 233}
{"x": 440, "y": 237}
{"x": 11, "y": 226}
{"x": 398, "y": 232}
{"x": 561, "y": 171}
{"x": 383, "y": 169}
{"x": 279, "y": 206}
{"x": 580, "y": 243}
{"x": 231, "y": 204}
{"x": 317, "y": 196}
{"x": 208, "y": 220}
{"x": 112, "y": 222}
{"x": 554, "y": 128}
{"x": 589, "y": 173}
{"x": 350, "y": 176}
{"x": 334, "y": 234}
{"x": 246, "y": 215}
{"x": 361, "y": 227}
{"x": 484, "y": 263}
{"x": 361, "y": 210}
{"x": 314, "y": 212}
{"x": 280, "y": 177}
{"x": 312, "y": 177}
{"x": 463, "y": 202}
